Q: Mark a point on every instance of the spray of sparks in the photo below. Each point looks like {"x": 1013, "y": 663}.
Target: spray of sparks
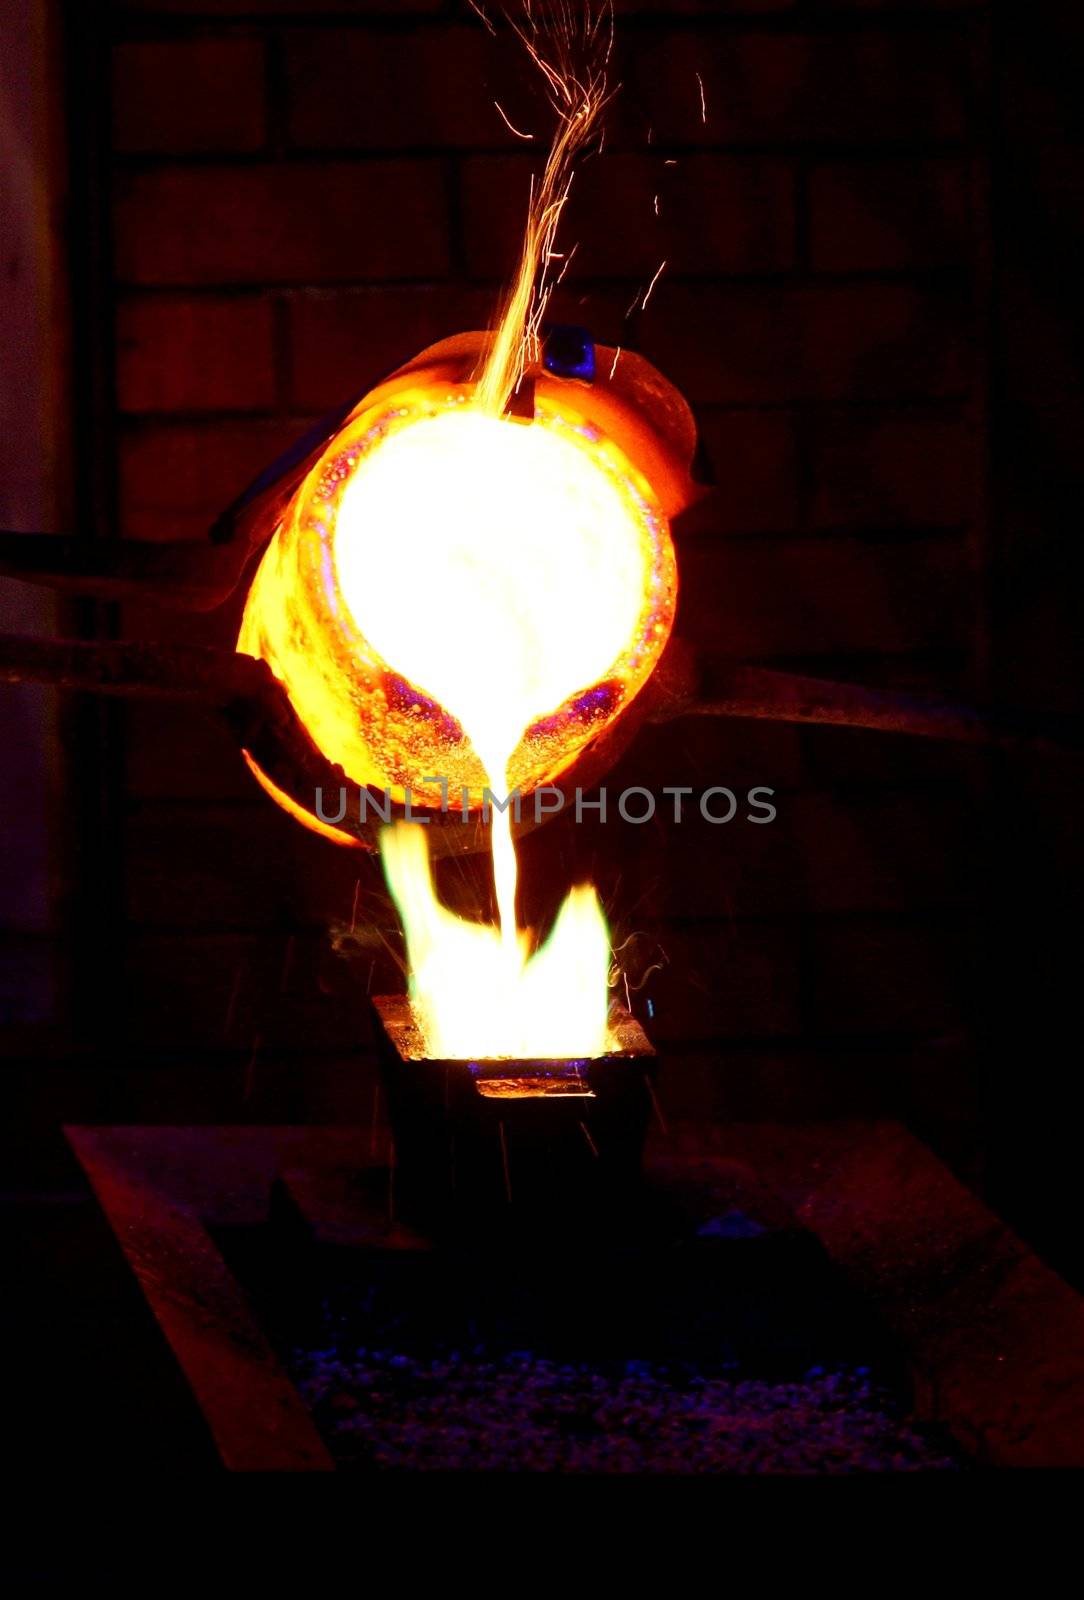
{"x": 571, "y": 48}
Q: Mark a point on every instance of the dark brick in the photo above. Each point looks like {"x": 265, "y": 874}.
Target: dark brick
{"x": 179, "y": 753}
{"x": 869, "y": 852}
{"x": 903, "y": 471}
{"x": 707, "y": 750}
{"x": 424, "y": 88}
{"x": 850, "y": 757}
{"x": 668, "y": 871}
{"x": 195, "y": 354}
{"x": 291, "y": 223}
{"x": 754, "y": 456}
{"x": 885, "y": 852}
{"x": 170, "y": 625}
{"x": 742, "y": 344}
{"x": 755, "y": 1083}
{"x": 196, "y": 993}
{"x": 341, "y": 342}
{"x": 261, "y": 995}
{"x": 700, "y": 8}
{"x": 871, "y": 216}
{"x": 175, "y": 478}
{"x": 758, "y": 599}
{"x": 902, "y": 7}
{"x": 733, "y": 981}
{"x": 182, "y": 96}
{"x": 885, "y": 975}
{"x": 715, "y": 214}
{"x": 860, "y": 88}
{"x": 227, "y": 9}
{"x": 242, "y": 867}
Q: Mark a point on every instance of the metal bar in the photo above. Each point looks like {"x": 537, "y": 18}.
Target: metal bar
{"x": 187, "y": 574}
{"x": 222, "y": 678}
{"x": 134, "y": 669}
{"x": 761, "y": 693}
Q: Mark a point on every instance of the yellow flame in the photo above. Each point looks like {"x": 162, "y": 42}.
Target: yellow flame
{"x": 502, "y": 568}
{"x": 476, "y": 995}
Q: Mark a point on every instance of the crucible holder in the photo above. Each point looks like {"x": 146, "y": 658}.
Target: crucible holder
{"x": 518, "y": 1140}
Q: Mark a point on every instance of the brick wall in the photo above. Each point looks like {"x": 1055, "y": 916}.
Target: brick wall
{"x": 303, "y": 198}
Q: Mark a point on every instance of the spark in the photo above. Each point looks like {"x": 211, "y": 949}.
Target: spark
{"x": 656, "y": 966}
{"x": 508, "y": 123}
{"x": 568, "y": 262}
{"x": 703, "y": 100}
{"x": 659, "y": 1118}
{"x": 669, "y": 163}
{"x": 656, "y": 205}
{"x": 479, "y": 11}
{"x": 635, "y": 303}
{"x": 651, "y": 285}
{"x": 572, "y": 54}
{"x": 617, "y": 358}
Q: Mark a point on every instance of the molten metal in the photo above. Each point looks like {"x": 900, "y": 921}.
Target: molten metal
{"x": 460, "y": 599}
{"x": 452, "y": 595}
{"x": 465, "y": 600}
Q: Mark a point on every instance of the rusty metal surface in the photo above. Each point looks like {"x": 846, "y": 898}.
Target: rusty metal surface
{"x": 135, "y": 669}
{"x": 183, "y": 574}
{"x": 763, "y": 694}
{"x": 218, "y": 677}
{"x": 994, "y": 1339}
{"x": 159, "y": 1191}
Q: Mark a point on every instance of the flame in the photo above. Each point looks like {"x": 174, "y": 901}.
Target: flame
{"x": 476, "y": 993}
{"x": 535, "y": 586}
{"x": 501, "y": 567}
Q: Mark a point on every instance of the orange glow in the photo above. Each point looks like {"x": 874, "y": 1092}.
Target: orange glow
{"x": 456, "y": 601}
{"x": 476, "y": 990}
{"x": 391, "y": 510}
{"x": 460, "y": 598}
{"x": 306, "y": 818}
{"x": 572, "y": 55}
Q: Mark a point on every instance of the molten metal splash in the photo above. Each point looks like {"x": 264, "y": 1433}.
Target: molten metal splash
{"x": 572, "y": 52}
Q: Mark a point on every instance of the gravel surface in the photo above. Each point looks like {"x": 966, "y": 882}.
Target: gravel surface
{"x": 381, "y": 1409}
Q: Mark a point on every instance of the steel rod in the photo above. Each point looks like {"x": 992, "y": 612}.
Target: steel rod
{"x": 769, "y": 695}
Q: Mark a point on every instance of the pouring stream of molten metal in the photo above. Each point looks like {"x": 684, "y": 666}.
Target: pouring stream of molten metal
{"x": 501, "y": 569}
{"x": 507, "y": 570}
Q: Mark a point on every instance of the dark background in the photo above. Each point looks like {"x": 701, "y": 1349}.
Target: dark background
{"x": 873, "y": 248}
